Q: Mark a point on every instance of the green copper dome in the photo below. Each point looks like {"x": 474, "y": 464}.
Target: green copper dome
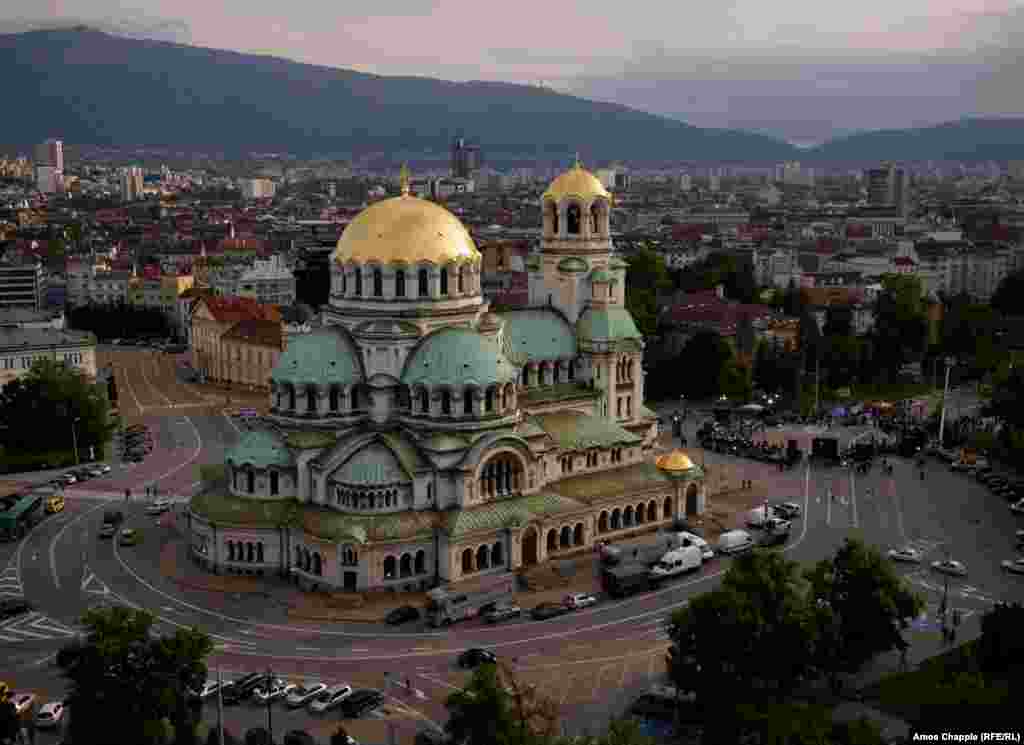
{"x": 259, "y": 448}
{"x": 573, "y": 265}
{"x": 321, "y": 357}
{"x": 607, "y": 324}
{"x": 600, "y": 275}
{"x": 457, "y": 357}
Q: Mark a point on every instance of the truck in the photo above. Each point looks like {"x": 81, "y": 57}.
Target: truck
{"x": 626, "y": 579}
{"x": 676, "y": 562}
{"x": 648, "y": 555}
{"x": 446, "y": 606}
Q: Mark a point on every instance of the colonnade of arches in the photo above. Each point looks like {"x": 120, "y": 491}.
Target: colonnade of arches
{"x": 630, "y": 516}
{"x": 501, "y": 476}
{"x": 365, "y": 498}
{"x": 625, "y": 369}
{"x": 549, "y": 372}
{"x": 422, "y": 282}
{"x": 250, "y": 552}
{"x": 482, "y": 557}
{"x": 564, "y": 538}
{"x": 314, "y": 400}
{"x": 308, "y": 561}
{"x": 406, "y": 565}
{"x": 462, "y": 403}
{"x": 243, "y": 479}
{"x": 574, "y": 218}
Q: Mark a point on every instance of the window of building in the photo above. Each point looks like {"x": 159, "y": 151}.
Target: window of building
{"x": 467, "y": 402}
{"x": 444, "y": 281}
{"x": 462, "y": 279}
{"x": 446, "y": 403}
{"x": 359, "y": 283}
{"x": 333, "y": 399}
{"x": 378, "y": 283}
{"x": 400, "y": 283}
{"x": 275, "y": 483}
{"x": 250, "y": 478}
{"x": 424, "y": 288}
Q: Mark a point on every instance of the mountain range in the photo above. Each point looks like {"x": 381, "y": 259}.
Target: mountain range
{"x": 90, "y": 87}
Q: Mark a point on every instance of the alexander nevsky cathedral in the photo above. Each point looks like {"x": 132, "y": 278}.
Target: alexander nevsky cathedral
{"x": 415, "y": 438}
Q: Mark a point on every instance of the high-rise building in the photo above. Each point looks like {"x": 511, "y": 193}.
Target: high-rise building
{"x": 22, "y": 285}
{"x": 466, "y": 158}
{"x": 51, "y": 153}
{"x": 131, "y": 184}
{"x": 685, "y": 182}
{"x": 48, "y": 179}
{"x": 887, "y": 187}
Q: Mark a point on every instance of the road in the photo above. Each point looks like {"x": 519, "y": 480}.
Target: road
{"x": 591, "y": 662}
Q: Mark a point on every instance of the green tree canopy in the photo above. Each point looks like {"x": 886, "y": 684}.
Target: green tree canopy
{"x": 1008, "y": 298}
{"x": 495, "y": 709}
{"x": 45, "y": 404}
{"x": 901, "y": 329}
{"x": 120, "y": 667}
{"x": 698, "y": 369}
{"x": 647, "y": 276}
{"x": 861, "y": 607}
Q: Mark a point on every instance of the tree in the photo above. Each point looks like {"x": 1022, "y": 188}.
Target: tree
{"x": 901, "y": 329}
{"x": 10, "y": 725}
{"x": 860, "y": 609}
{"x": 838, "y": 321}
{"x": 1008, "y": 298}
{"x": 698, "y": 369}
{"x": 647, "y": 276}
{"x": 620, "y": 732}
{"x": 46, "y": 403}
{"x": 1000, "y": 649}
{"x": 495, "y": 709}
{"x": 120, "y": 667}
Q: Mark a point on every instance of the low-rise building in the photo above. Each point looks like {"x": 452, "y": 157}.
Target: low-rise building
{"x": 21, "y": 347}
{"x": 213, "y": 317}
{"x": 251, "y": 349}
{"x": 27, "y": 318}
{"x": 22, "y": 284}
{"x": 265, "y": 281}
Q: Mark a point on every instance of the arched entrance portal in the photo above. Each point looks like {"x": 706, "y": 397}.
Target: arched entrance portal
{"x": 691, "y": 499}
{"x": 529, "y": 547}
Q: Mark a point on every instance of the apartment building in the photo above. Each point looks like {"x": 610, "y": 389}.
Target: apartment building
{"x": 251, "y": 349}
{"x": 160, "y": 293}
{"x": 269, "y": 281}
{"x": 22, "y": 285}
{"x": 20, "y": 348}
{"x": 212, "y": 317}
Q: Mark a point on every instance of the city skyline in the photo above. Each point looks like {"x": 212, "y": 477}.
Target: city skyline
{"x": 739, "y": 65}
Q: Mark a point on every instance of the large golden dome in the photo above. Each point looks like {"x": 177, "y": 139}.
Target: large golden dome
{"x": 577, "y": 182}
{"x": 405, "y": 229}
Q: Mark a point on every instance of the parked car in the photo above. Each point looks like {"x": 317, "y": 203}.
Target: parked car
{"x": 304, "y": 694}
{"x": 502, "y": 613}
{"x": 241, "y": 689}
{"x": 23, "y": 702}
{"x": 69, "y": 479}
{"x": 907, "y": 554}
{"x": 330, "y": 698}
{"x": 278, "y": 689}
{"x": 11, "y": 607}
{"x": 545, "y": 611}
{"x": 788, "y": 510}
{"x": 580, "y": 600}
{"x": 402, "y": 615}
{"x": 1017, "y": 507}
{"x": 1015, "y": 566}
{"x": 361, "y": 702}
{"x": 474, "y": 657}
{"x": 210, "y": 687}
{"x": 158, "y": 507}
{"x": 50, "y": 715}
{"x": 950, "y": 566}
{"x": 96, "y": 472}
{"x": 128, "y": 537}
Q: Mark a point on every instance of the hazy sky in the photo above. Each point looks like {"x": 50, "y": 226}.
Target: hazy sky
{"x": 802, "y": 69}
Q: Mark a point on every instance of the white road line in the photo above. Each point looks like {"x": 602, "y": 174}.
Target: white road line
{"x": 124, "y": 377}
{"x": 853, "y": 499}
{"x": 142, "y": 369}
{"x": 192, "y": 459}
{"x": 231, "y": 421}
{"x": 53, "y": 543}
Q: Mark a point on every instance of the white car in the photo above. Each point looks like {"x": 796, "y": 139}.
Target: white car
{"x": 210, "y": 687}
{"x": 22, "y": 702}
{"x": 788, "y": 510}
{"x": 1016, "y": 566}
{"x": 950, "y": 566}
{"x": 580, "y": 600}
{"x": 158, "y": 507}
{"x": 278, "y": 689}
{"x": 330, "y": 698}
{"x": 706, "y": 552}
{"x": 304, "y": 694}
{"x": 907, "y": 553}
{"x": 1018, "y": 507}
{"x": 50, "y": 715}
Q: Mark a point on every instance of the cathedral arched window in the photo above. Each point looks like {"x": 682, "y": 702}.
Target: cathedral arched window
{"x": 344, "y": 283}
{"x": 446, "y": 402}
{"x": 424, "y": 401}
{"x": 467, "y": 401}
{"x": 462, "y": 280}
{"x": 573, "y": 219}
{"x": 444, "y": 281}
{"x": 553, "y": 211}
{"x": 378, "y": 283}
{"x": 400, "y": 283}
{"x": 424, "y": 288}
{"x": 595, "y": 219}
{"x": 359, "y": 282}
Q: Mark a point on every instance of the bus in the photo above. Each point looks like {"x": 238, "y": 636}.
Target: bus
{"x": 18, "y": 513}
{"x": 446, "y": 606}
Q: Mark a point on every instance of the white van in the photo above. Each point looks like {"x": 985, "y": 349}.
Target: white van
{"x": 681, "y": 539}
{"x": 676, "y": 562}
{"x": 734, "y": 541}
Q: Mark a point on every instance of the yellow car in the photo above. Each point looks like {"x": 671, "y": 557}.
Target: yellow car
{"x": 54, "y": 504}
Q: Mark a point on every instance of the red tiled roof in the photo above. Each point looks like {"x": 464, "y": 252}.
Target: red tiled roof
{"x": 256, "y": 331}
{"x": 235, "y": 309}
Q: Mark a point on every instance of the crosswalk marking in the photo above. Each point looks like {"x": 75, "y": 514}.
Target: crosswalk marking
{"x": 93, "y": 585}
{"x": 34, "y": 627}
{"x": 10, "y": 583}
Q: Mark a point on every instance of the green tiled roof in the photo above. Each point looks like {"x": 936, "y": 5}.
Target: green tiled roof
{"x": 560, "y": 392}
{"x": 442, "y": 441}
{"x": 218, "y": 507}
{"x": 387, "y": 328}
{"x": 573, "y": 264}
{"x": 646, "y": 413}
{"x": 533, "y": 262}
{"x": 332, "y": 525}
{"x": 260, "y": 448}
{"x": 321, "y": 357}
{"x": 572, "y": 430}
{"x": 589, "y": 487}
{"x": 405, "y": 451}
{"x": 529, "y": 428}
{"x": 607, "y": 324}
{"x": 310, "y": 440}
{"x": 506, "y": 513}
{"x": 600, "y": 275}
{"x": 617, "y": 263}
{"x": 540, "y": 333}
{"x": 374, "y": 465}
{"x": 458, "y": 356}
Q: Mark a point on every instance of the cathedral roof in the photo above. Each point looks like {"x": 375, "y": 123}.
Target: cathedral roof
{"x": 540, "y": 333}
{"x": 607, "y": 324}
{"x": 374, "y": 465}
{"x": 577, "y": 182}
{"x": 573, "y": 430}
{"x": 259, "y": 448}
{"x": 506, "y": 513}
{"x": 321, "y": 357}
{"x": 573, "y": 265}
{"x": 457, "y": 356}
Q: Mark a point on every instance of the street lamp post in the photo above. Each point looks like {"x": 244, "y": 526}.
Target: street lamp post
{"x": 945, "y": 394}
{"x": 74, "y": 437}
{"x": 270, "y": 720}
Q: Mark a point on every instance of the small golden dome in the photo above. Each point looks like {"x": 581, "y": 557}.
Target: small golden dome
{"x": 675, "y": 461}
{"x": 405, "y": 229}
{"x": 577, "y": 182}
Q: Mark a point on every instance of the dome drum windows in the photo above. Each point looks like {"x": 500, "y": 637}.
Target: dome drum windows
{"x": 363, "y": 498}
{"x": 400, "y": 283}
{"x": 423, "y": 282}
{"x": 245, "y": 552}
{"x": 501, "y": 476}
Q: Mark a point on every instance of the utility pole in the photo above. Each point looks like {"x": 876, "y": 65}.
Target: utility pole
{"x": 74, "y": 438}
{"x": 945, "y": 394}
{"x": 220, "y": 709}
{"x": 817, "y": 381}
{"x": 270, "y": 720}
